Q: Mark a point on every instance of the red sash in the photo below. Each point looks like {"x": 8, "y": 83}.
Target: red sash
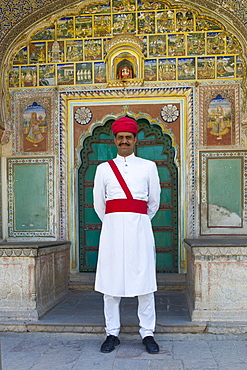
{"x": 124, "y": 205}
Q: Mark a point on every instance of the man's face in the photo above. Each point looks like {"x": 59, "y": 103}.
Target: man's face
{"x": 125, "y": 142}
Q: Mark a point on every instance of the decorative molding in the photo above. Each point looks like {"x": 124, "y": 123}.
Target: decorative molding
{"x": 218, "y": 252}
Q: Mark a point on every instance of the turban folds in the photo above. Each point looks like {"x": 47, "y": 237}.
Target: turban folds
{"x": 124, "y": 124}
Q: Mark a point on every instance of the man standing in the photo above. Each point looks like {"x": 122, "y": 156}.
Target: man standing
{"x": 126, "y": 197}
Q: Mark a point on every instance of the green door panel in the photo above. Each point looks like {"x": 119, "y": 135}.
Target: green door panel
{"x": 92, "y": 238}
{"x": 153, "y": 145}
{"x": 163, "y": 217}
{"x": 164, "y": 173}
{"x": 163, "y": 239}
{"x": 164, "y": 261}
{"x": 102, "y": 152}
{"x": 165, "y": 195}
{"x": 91, "y": 215}
{"x": 91, "y": 259}
{"x": 153, "y": 152}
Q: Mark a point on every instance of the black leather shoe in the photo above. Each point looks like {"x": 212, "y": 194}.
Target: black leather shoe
{"x": 109, "y": 344}
{"x": 151, "y": 346}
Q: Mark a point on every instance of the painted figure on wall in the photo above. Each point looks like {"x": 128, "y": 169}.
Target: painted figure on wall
{"x": 34, "y": 128}
{"x": 125, "y": 72}
{"x": 219, "y": 121}
{"x": 34, "y": 135}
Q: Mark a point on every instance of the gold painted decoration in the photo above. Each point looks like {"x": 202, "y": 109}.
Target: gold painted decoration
{"x": 37, "y": 52}
{"x": 102, "y": 25}
{"x": 83, "y": 73}
{"x": 65, "y": 28}
{"x": 28, "y": 76}
{"x": 146, "y": 23}
{"x": 165, "y": 21}
{"x": 74, "y": 50}
{"x": 45, "y": 34}
{"x": 169, "y": 43}
{"x": 21, "y": 57}
{"x": 225, "y": 67}
{"x": 124, "y": 23}
{"x": 123, "y": 5}
{"x": 47, "y": 75}
{"x": 14, "y": 80}
{"x": 56, "y": 51}
{"x": 93, "y": 49}
{"x": 83, "y": 27}
{"x": 65, "y": 74}
{"x": 167, "y": 69}
{"x": 157, "y": 45}
{"x": 206, "y": 68}
{"x": 184, "y": 21}
{"x": 215, "y": 43}
{"x": 176, "y": 45}
{"x": 186, "y": 69}
{"x": 196, "y": 43}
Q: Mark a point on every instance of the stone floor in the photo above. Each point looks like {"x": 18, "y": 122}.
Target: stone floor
{"x": 69, "y": 338}
{"x": 66, "y": 351}
{"x": 82, "y": 312}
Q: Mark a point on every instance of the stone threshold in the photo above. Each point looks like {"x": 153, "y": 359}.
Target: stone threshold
{"x": 85, "y": 281}
{"x": 217, "y": 328}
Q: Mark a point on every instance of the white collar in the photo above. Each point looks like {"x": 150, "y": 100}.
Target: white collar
{"x": 125, "y": 159}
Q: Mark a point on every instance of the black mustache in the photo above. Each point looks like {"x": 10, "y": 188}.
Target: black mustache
{"x": 124, "y": 144}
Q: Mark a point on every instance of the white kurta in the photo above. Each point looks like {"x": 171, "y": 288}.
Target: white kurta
{"x": 126, "y": 261}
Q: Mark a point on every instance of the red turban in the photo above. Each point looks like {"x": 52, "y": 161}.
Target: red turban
{"x": 125, "y": 124}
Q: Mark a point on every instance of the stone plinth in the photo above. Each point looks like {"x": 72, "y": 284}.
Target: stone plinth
{"x": 217, "y": 279}
{"x": 33, "y": 278}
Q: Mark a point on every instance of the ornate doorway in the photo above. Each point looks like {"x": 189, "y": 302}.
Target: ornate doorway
{"x": 152, "y": 144}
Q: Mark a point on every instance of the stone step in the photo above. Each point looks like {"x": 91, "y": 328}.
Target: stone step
{"x": 85, "y": 281}
{"x": 82, "y": 312}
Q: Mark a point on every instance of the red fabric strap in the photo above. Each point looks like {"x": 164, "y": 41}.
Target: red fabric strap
{"x": 120, "y": 179}
{"x": 126, "y": 205}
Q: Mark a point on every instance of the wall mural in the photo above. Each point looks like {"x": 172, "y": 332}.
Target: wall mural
{"x": 176, "y": 45}
{"x": 220, "y": 115}
{"x": 167, "y": 49}
{"x": 33, "y": 117}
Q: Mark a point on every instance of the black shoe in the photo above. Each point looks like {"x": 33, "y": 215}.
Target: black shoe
{"x": 109, "y": 344}
{"x": 151, "y": 346}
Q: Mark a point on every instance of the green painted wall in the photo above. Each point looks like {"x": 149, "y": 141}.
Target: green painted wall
{"x": 30, "y": 196}
{"x": 225, "y": 183}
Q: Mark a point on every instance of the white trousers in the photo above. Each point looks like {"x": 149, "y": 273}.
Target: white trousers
{"x": 146, "y": 314}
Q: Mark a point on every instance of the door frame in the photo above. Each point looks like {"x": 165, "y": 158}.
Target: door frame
{"x": 70, "y": 157}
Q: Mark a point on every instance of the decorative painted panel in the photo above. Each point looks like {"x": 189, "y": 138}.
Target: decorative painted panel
{"x": 223, "y": 193}
{"x": 34, "y": 114}
{"x": 220, "y": 115}
{"x": 236, "y": 7}
{"x": 194, "y": 47}
{"x": 31, "y": 197}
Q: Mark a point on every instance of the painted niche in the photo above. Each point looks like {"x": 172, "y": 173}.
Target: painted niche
{"x": 124, "y": 61}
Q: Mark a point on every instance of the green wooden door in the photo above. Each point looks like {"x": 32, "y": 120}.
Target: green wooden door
{"x": 152, "y": 144}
